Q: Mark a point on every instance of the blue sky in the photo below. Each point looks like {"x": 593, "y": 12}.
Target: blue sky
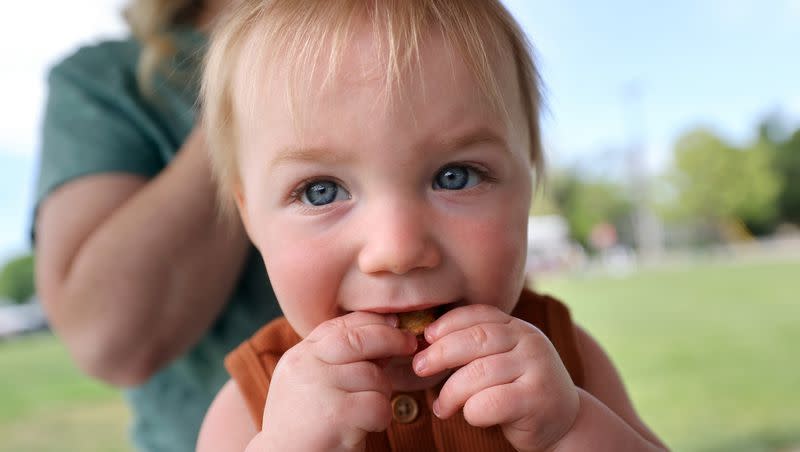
{"x": 16, "y": 172}
{"x": 723, "y": 63}
{"x": 719, "y": 63}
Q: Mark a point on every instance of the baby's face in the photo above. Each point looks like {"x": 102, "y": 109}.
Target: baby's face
{"x": 386, "y": 207}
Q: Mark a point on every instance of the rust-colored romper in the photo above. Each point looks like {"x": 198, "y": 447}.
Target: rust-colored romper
{"x": 414, "y": 427}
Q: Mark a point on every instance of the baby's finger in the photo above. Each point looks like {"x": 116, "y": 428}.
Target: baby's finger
{"x": 369, "y": 411}
{"x": 464, "y": 317}
{"x": 349, "y": 321}
{"x": 473, "y": 378}
{"x": 362, "y": 343}
{"x": 361, "y": 376}
{"x": 497, "y": 405}
{"x": 464, "y": 346}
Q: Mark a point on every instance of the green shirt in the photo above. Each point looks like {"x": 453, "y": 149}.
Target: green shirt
{"x": 98, "y": 121}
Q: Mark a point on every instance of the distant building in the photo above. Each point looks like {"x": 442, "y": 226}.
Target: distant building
{"x": 17, "y": 319}
{"x": 550, "y": 247}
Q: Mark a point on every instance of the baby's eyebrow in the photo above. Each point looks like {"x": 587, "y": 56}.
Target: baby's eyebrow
{"x": 479, "y": 135}
{"x": 291, "y": 154}
{"x": 440, "y": 142}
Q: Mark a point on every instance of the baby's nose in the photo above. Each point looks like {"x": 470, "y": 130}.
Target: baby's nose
{"x": 397, "y": 239}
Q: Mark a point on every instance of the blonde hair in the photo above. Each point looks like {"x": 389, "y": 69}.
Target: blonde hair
{"x": 300, "y": 31}
{"x": 150, "y": 22}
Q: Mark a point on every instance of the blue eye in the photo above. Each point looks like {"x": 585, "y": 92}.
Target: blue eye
{"x": 456, "y": 177}
{"x": 320, "y": 193}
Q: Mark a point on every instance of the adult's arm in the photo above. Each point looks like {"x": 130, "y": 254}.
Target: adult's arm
{"x": 133, "y": 271}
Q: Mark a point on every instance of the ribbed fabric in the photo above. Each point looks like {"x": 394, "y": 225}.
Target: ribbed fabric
{"x": 252, "y": 363}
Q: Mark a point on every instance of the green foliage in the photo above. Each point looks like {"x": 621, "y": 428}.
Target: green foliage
{"x": 787, "y": 164}
{"x": 586, "y": 203}
{"x": 543, "y": 203}
{"x": 16, "y": 279}
{"x": 715, "y": 182}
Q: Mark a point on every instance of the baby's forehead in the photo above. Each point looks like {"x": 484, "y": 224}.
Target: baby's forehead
{"x": 297, "y": 76}
{"x": 269, "y": 71}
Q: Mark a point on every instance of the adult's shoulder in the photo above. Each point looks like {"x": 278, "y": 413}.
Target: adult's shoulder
{"x": 95, "y": 119}
{"x": 108, "y": 62}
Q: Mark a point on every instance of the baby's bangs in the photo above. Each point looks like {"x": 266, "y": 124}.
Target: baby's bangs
{"x": 307, "y": 40}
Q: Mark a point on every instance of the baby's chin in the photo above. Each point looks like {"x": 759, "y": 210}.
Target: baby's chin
{"x": 405, "y": 380}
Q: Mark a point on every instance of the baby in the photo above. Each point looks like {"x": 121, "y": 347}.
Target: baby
{"x": 381, "y": 155}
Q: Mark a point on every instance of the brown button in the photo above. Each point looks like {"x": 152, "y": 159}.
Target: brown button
{"x": 404, "y": 409}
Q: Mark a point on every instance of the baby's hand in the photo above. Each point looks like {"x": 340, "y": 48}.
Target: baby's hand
{"x": 325, "y": 393}
{"x": 510, "y": 375}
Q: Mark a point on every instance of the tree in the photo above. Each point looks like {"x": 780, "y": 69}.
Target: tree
{"x": 787, "y": 164}
{"x": 775, "y": 134}
{"x": 718, "y": 184}
{"x": 588, "y": 202}
{"x": 542, "y": 203}
{"x": 16, "y": 279}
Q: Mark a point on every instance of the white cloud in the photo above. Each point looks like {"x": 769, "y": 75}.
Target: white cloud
{"x": 31, "y": 39}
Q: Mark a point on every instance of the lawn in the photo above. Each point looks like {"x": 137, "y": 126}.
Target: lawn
{"x": 707, "y": 352}
{"x": 47, "y": 405}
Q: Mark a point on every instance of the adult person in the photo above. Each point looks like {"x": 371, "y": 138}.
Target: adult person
{"x": 140, "y": 278}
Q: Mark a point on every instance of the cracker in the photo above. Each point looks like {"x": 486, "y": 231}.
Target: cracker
{"x": 415, "y": 322}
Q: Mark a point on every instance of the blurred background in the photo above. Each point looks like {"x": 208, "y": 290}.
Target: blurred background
{"x": 669, "y": 222}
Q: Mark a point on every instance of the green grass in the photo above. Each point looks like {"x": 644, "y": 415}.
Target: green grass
{"x": 707, "y": 352}
{"x": 47, "y": 405}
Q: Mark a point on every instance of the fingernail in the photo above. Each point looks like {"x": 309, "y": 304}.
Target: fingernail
{"x": 391, "y": 319}
{"x": 419, "y": 364}
{"x": 435, "y": 408}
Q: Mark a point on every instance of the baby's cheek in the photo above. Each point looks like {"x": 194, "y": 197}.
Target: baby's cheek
{"x": 497, "y": 254}
{"x": 300, "y": 284}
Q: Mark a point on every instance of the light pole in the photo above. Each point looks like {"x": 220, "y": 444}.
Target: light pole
{"x": 647, "y": 227}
